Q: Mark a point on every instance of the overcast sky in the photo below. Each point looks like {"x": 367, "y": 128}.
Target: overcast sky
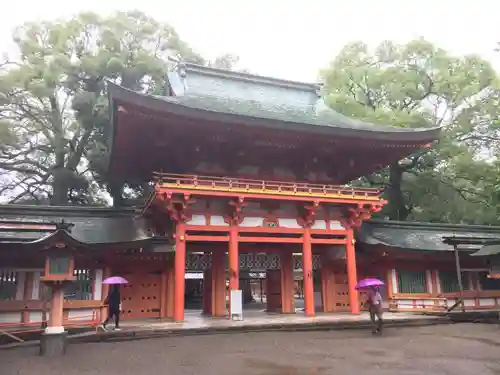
{"x": 291, "y": 39}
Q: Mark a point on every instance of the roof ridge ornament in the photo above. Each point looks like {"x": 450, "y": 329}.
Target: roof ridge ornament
{"x": 64, "y": 225}
{"x": 177, "y": 77}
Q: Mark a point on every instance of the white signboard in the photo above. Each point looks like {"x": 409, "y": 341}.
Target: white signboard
{"x": 236, "y": 304}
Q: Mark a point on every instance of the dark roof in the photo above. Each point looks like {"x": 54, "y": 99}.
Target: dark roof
{"x": 91, "y": 226}
{"x": 424, "y": 236}
{"x": 234, "y": 97}
{"x": 488, "y": 250}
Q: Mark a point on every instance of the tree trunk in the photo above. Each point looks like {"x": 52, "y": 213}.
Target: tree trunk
{"x": 60, "y": 188}
{"x": 397, "y": 208}
{"x": 116, "y": 192}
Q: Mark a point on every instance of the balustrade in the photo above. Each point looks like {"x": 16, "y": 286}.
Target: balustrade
{"x": 242, "y": 185}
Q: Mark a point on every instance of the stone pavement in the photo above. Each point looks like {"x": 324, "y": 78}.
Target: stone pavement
{"x": 453, "y": 349}
{"x": 196, "y": 323}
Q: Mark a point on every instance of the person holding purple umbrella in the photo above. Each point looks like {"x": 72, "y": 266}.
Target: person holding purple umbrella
{"x": 113, "y": 300}
{"x": 374, "y": 302}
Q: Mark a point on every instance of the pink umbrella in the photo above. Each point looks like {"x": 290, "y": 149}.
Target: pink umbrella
{"x": 115, "y": 280}
{"x": 368, "y": 283}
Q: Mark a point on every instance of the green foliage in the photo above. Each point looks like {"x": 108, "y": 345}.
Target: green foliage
{"x": 53, "y": 108}
{"x": 419, "y": 85}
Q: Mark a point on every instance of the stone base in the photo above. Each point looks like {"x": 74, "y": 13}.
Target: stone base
{"x": 53, "y": 344}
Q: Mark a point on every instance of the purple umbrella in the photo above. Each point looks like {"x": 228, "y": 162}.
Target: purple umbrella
{"x": 115, "y": 280}
{"x": 368, "y": 283}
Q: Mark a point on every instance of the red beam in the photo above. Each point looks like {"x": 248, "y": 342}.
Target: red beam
{"x": 328, "y": 241}
{"x": 269, "y": 240}
{"x": 279, "y": 230}
{"x": 193, "y": 238}
{"x": 225, "y": 194}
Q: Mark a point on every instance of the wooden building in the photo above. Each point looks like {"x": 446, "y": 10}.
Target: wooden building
{"x": 420, "y": 268}
{"x": 250, "y": 174}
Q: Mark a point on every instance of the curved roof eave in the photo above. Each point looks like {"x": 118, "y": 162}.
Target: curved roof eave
{"x": 163, "y": 105}
{"x": 65, "y": 237}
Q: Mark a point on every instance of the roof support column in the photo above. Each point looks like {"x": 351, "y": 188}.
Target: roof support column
{"x": 352, "y": 276}
{"x": 55, "y": 324}
{"x": 180, "y": 269}
{"x": 308, "y": 273}
{"x": 234, "y": 262}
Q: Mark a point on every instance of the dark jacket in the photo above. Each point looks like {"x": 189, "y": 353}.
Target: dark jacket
{"x": 113, "y": 299}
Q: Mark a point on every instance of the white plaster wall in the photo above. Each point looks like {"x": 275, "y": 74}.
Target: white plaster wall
{"x": 405, "y": 304}
{"x": 288, "y": 223}
{"x": 218, "y": 220}
{"x": 319, "y": 224}
{"x": 394, "y": 281}
{"x": 10, "y": 317}
{"x": 486, "y": 301}
{"x": 197, "y": 220}
{"x": 21, "y": 280}
{"x": 430, "y": 287}
{"x": 429, "y": 303}
{"x": 98, "y": 284}
{"x": 252, "y": 222}
{"x": 36, "y": 316}
{"x": 335, "y": 224}
{"x": 438, "y": 283}
{"x": 469, "y": 302}
{"x": 36, "y": 286}
{"x": 81, "y": 314}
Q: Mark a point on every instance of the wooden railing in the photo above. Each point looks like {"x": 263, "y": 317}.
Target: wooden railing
{"x": 241, "y": 185}
{"x": 424, "y": 304}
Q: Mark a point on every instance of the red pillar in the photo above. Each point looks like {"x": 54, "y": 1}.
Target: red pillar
{"x": 180, "y": 269}
{"x": 308, "y": 273}
{"x": 170, "y": 290}
{"x": 56, "y": 317}
{"x": 104, "y": 294}
{"x": 218, "y": 283}
{"x": 287, "y": 293}
{"x": 352, "y": 277}
{"x": 234, "y": 262}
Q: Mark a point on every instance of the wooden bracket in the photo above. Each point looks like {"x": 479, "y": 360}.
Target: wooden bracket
{"x": 354, "y": 216}
{"x": 236, "y": 215}
{"x": 177, "y": 206}
{"x": 308, "y": 217}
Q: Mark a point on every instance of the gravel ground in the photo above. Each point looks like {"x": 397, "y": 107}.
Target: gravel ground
{"x": 447, "y": 349}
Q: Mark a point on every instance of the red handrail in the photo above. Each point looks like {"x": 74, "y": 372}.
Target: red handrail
{"x": 280, "y": 186}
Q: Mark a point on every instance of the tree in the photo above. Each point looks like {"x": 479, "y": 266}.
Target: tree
{"x": 420, "y": 85}
{"x": 53, "y": 108}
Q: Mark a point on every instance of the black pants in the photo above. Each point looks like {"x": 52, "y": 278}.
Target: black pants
{"x": 113, "y": 313}
{"x": 376, "y": 317}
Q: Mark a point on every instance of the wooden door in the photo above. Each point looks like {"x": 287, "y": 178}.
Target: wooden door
{"x": 141, "y": 297}
{"x": 273, "y": 292}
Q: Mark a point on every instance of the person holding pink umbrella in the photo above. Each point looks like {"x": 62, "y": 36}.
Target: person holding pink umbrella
{"x": 113, "y": 300}
{"x": 374, "y": 302}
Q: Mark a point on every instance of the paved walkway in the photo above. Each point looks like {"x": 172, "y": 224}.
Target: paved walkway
{"x": 458, "y": 349}
{"x": 195, "y": 320}
{"x": 195, "y": 323}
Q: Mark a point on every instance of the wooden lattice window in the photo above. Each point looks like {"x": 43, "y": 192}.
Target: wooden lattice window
{"x": 487, "y": 283}
{"x": 8, "y": 285}
{"x": 412, "y": 281}
{"x": 449, "y": 281}
{"x": 59, "y": 265}
{"x": 81, "y": 288}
